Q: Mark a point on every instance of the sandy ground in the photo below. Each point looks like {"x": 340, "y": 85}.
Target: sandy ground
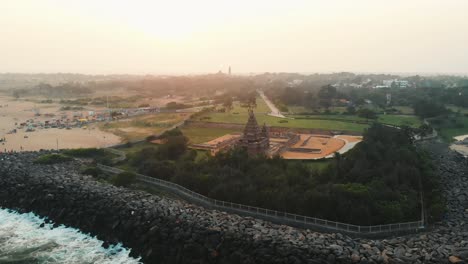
{"x": 222, "y": 138}
{"x": 460, "y": 138}
{"x": 327, "y": 146}
{"x": 462, "y": 149}
{"x": 161, "y": 101}
{"x": 350, "y": 139}
{"x": 19, "y": 111}
{"x": 350, "y": 142}
{"x": 64, "y": 139}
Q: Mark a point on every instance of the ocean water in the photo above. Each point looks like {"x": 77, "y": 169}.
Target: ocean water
{"x": 23, "y": 240}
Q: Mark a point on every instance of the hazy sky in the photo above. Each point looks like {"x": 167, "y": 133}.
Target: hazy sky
{"x": 195, "y": 36}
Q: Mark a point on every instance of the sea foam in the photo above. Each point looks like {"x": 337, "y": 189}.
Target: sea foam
{"x": 27, "y": 238}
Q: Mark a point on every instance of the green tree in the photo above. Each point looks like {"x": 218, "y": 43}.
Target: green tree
{"x": 326, "y": 95}
{"x": 227, "y": 103}
{"x": 367, "y": 113}
{"x": 123, "y": 179}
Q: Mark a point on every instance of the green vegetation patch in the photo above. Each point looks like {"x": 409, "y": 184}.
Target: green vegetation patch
{"x": 91, "y": 170}
{"x": 52, "y": 159}
{"x": 98, "y": 155}
{"x": 85, "y": 152}
{"x": 324, "y": 124}
{"x": 123, "y": 179}
{"x": 380, "y": 179}
{"x": 451, "y": 126}
{"x": 204, "y": 134}
{"x": 143, "y": 126}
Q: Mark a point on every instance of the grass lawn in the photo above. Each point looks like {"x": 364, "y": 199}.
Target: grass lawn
{"x": 452, "y": 127}
{"x": 326, "y": 122}
{"x": 241, "y": 118}
{"x": 262, "y": 107}
{"x": 330, "y": 117}
{"x": 137, "y": 147}
{"x": 142, "y": 126}
{"x": 398, "y": 120}
{"x": 455, "y": 109}
{"x": 204, "y": 134}
{"x": 293, "y": 109}
{"x": 401, "y": 120}
{"x": 405, "y": 110}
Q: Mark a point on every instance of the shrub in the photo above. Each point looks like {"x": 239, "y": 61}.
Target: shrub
{"x": 52, "y": 159}
{"x": 98, "y": 155}
{"x": 151, "y": 138}
{"x": 84, "y": 152}
{"x": 93, "y": 171}
{"x": 123, "y": 179}
{"x": 367, "y": 113}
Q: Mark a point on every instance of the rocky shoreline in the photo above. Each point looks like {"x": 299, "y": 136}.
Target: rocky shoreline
{"x": 164, "y": 230}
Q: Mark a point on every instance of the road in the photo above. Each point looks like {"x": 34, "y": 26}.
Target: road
{"x": 274, "y": 111}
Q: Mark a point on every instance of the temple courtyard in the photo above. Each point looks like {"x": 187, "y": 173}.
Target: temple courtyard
{"x": 285, "y": 143}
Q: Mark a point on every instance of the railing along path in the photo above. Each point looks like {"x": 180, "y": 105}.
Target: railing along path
{"x": 272, "y": 215}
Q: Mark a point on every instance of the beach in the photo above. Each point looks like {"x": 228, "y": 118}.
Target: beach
{"x": 14, "y": 112}
{"x": 462, "y": 149}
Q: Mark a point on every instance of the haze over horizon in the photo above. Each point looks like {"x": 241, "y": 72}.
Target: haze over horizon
{"x": 180, "y": 37}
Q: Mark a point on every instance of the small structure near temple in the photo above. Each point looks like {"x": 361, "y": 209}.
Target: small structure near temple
{"x": 254, "y": 139}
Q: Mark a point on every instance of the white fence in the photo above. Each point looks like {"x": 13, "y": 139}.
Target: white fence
{"x": 272, "y": 215}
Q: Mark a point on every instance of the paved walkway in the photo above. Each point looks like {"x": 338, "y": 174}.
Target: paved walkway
{"x": 348, "y": 145}
{"x": 274, "y": 111}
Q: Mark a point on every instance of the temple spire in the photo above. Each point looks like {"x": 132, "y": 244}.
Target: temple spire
{"x": 255, "y": 139}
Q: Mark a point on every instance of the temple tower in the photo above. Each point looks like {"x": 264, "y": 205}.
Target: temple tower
{"x": 254, "y": 139}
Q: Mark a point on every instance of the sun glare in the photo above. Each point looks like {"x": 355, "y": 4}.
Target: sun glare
{"x": 168, "y": 20}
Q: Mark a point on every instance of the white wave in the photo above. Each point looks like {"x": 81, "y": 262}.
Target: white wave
{"x": 23, "y": 240}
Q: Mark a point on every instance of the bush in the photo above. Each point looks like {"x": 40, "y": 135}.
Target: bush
{"x": 123, "y": 179}
{"x": 151, "y": 138}
{"x": 85, "y": 152}
{"x": 93, "y": 171}
{"x": 98, "y": 155}
{"x": 367, "y": 113}
{"x": 52, "y": 159}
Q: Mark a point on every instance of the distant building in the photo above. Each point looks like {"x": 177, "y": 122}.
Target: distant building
{"x": 389, "y": 99}
{"x": 295, "y": 82}
{"x": 254, "y": 139}
{"x": 229, "y": 71}
{"x": 395, "y": 83}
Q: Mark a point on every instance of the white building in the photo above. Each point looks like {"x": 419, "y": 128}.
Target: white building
{"x": 396, "y": 82}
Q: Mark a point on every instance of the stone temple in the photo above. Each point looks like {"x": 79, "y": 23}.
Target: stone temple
{"x": 255, "y": 139}
{"x": 278, "y": 141}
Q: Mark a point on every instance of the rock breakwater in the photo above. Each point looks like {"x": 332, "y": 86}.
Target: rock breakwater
{"x": 163, "y": 230}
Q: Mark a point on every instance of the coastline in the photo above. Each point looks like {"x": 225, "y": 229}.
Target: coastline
{"x": 13, "y": 112}
{"x": 164, "y": 230}
{"x": 27, "y": 238}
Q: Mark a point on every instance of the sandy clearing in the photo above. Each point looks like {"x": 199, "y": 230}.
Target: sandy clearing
{"x": 47, "y": 139}
{"x": 327, "y": 145}
{"x": 222, "y": 139}
{"x": 460, "y": 138}
{"x": 460, "y": 149}
{"x": 350, "y": 139}
{"x": 19, "y": 111}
